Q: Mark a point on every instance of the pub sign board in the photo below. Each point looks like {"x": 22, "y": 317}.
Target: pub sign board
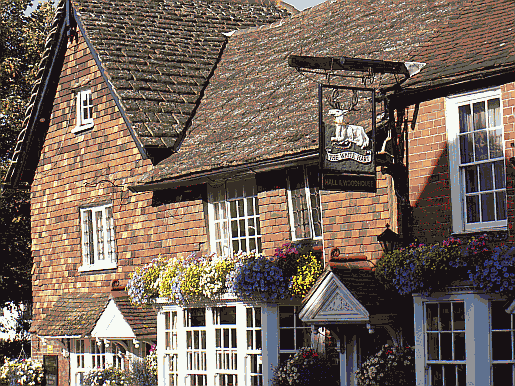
{"x": 347, "y": 132}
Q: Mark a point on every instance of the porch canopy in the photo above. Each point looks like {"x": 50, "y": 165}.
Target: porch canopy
{"x": 98, "y": 315}
{"x": 347, "y": 292}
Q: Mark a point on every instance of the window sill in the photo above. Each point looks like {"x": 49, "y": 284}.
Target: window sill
{"x": 96, "y": 267}
{"x": 80, "y": 129}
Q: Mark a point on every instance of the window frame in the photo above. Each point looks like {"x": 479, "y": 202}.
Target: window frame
{"x": 477, "y": 311}
{"x": 457, "y": 184}
{"x": 252, "y": 361}
{"x": 84, "y": 111}
{"x": 220, "y": 199}
{"x": 307, "y": 195}
{"x": 89, "y": 238}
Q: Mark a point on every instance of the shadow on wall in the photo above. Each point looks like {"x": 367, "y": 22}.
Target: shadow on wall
{"x": 432, "y": 217}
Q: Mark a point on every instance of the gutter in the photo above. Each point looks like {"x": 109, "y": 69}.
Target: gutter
{"x": 249, "y": 169}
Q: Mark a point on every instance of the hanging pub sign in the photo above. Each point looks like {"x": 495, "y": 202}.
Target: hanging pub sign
{"x": 347, "y": 131}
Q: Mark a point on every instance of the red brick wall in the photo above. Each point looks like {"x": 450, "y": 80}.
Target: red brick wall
{"x": 353, "y": 220}
{"x": 95, "y": 167}
{"x": 273, "y": 219}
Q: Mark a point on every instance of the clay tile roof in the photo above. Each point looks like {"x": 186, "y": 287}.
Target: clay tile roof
{"x": 257, "y": 108}
{"x": 478, "y": 39}
{"x": 73, "y": 314}
{"x": 143, "y": 320}
{"x": 159, "y": 54}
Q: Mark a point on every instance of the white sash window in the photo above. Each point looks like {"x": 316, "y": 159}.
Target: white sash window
{"x": 84, "y": 108}
{"x": 477, "y": 163}
{"x": 234, "y": 218}
{"x": 98, "y": 247}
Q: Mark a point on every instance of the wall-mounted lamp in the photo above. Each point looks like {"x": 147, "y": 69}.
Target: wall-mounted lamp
{"x": 389, "y": 239}
{"x": 135, "y": 342}
{"x": 370, "y": 328}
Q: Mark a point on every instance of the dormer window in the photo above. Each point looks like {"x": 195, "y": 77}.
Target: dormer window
{"x": 84, "y": 111}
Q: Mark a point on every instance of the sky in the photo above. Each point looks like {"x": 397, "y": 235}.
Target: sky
{"x": 299, "y": 4}
{"x": 303, "y": 4}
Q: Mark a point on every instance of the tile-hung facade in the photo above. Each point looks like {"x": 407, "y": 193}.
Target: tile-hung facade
{"x": 155, "y": 130}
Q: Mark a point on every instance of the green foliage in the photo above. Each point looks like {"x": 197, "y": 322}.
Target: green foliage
{"x": 21, "y": 45}
{"x": 307, "y": 367}
{"x": 24, "y": 372}
{"x": 109, "y": 376}
{"x": 309, "y": 268}
{"x": 419, "y": 268}
{"x": 391, "y": 366}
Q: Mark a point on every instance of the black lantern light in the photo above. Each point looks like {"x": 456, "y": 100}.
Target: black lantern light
{"x": 389, "y": 239}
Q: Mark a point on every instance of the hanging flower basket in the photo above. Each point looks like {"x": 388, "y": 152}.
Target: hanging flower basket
{"x": 428, "y": 268}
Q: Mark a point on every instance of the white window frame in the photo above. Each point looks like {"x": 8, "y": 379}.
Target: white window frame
{"x": 254, "y": 362}
{"x": 478, "y": 356}
{"x": 221, "y": 199}
{"x": 97, "y": 255}
{"x": 457, "y": 172}
{"x": 84, "y": 110}
{"x": 86, "y": 355}
{"x": 307, "y": 196}
{"x": 298, "y": 329}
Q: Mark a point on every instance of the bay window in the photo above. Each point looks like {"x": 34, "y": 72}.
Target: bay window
{"x": 222, "y": 345}
{"x": 463, "y": 338}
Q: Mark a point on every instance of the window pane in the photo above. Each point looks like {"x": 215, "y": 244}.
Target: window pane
{"x": 501, "y": 205}
{"x": 286, "y": 339}
{"x": 432, "y": 317}
{"x": 502, "y": 374}
{"x": 488, "y": 207}
{"x": 249, "y": 318}
{"x": 459, "y": 346}
{"x": 436, "y": 375}
{"x": 480, "y": 146}
{"x": 233, "y": 337}
{"x": 232, "y": 206}
{"x": 258, "y": 339}
{"x": 99, "y": 222}
{"x": 458, "y": 316}
{"x": 501, "y": 345}
{"x": 500, "y": 176}
{"x": 446, "y": 346}
{"x": 479, "y": 115}
{"x": 303, "y": 338}
{"x": 486, "y": 176}
{"x": 467, "y": 148}
{"x": 257, "y": 314}
{"x": 449, "y": 372}
{"x": 432, "y": 346}
{"x": 494, "y": 112}
{"x": 252, "y": 244}
{"x": 445, "y": 317}
{"x": 462, "y": 375}
{"x": 501, "y": 320}
{"x": 241, "y": 208}
{"x": 471, "y": 179}
{"x": 472, "y": 209}
{"x": 242, "y": 228}
{"x": 250, "y": 206}
{"x": 495, "y": 142}
{"x": 465, "y": 119}
{"x": 287, "y": 316}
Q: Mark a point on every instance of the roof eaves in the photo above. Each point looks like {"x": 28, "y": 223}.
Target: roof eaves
{"x": 36, "y": 113}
